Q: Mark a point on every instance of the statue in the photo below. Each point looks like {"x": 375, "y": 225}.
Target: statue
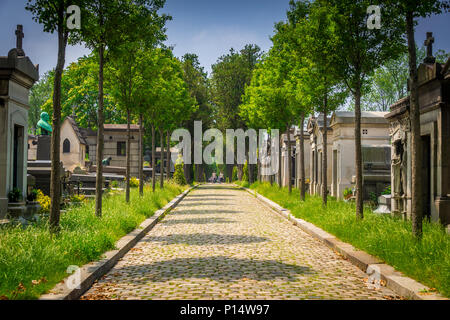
{"x": 44, "y": 128}
{"x": 106, "y": 161}
{"x": 399, "y": 167}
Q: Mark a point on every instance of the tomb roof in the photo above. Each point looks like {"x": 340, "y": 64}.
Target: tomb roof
{"x": 120, "y": 127}
{"x": 77, "y": 130}
{"x": 366, "y": 117}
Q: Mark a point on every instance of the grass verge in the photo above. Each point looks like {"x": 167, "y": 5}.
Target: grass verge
{"x": 389, "y": 239}
{"x": 32, "y": 260}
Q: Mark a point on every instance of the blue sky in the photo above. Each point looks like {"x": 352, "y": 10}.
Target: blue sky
{"x": 208, "y": 28}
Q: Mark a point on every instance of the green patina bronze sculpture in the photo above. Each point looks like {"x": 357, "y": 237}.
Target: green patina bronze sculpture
{"x": 44, "y": 128}
{"x": 106, "y": 161}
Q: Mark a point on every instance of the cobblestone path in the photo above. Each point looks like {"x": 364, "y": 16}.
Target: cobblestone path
{"x": 221, "y": 243}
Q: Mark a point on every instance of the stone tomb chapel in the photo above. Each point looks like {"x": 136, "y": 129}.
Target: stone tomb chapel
{"x": 434, "y": 104}
{"x": 375, "y": 151}
{"x": 17, "y": 76}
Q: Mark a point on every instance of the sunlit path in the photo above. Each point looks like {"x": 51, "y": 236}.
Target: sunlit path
{"x": 220, "y": 243}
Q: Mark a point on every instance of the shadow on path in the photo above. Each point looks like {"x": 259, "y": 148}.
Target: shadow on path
{"x": 204, "y": 195}
{"x": 219, "y": 268}
{"x": 196, "y": 221}
{"x": 206, "y": 200}
{"x": 199, "y": 211}
{"x": 200, "y": 239}
{"x": 198, "y": 203}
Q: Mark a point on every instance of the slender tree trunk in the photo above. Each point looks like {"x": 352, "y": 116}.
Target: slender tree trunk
{"x": 302, "y": 161}
{"x": 358, "y": 155}
{"x": 416, "y": 147}
{"x": 325, "y": 154}
{"x": 128, "y": 159}
{"x": 288, "y": 132}
{"x": 153, "y": 159}
{"x": 100, "y": 138}
{"x": 279, "y": 160}
{"x": 168, "y": 155}
{"x": 141, "y": 157}
{"x": 55, "y": 176}
{"x": 161, "y": 166}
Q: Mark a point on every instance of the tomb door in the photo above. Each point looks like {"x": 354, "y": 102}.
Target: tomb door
{"x": 18, "y": 154}
{"x": 426, "y": 176}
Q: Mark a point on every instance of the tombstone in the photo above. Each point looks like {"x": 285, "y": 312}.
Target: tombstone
{"x": 434, "y": 105}
{"x": 17, "y": 76}
{"x": 384, "y": 204}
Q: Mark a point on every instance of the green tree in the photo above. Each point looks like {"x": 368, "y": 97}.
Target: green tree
{"x": 361, "y": 51}
{"x": 230, "y": 74}
{"x": 124, "y": 69}
{"x": 105, "y": 23}
{"x": 389, "y": 82}
{"x": 197, "y": 82}
{"x": 52, "y": 14}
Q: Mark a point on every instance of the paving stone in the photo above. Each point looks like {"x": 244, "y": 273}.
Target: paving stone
{"x": 221, "y": 243}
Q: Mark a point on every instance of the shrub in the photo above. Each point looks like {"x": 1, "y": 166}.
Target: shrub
{"x": 44, "y": 201}
{"x": 178, "y": 175}
{"x": 134, "y": 182}
{"x": 386, "y": 191}
{"x": 348, "y": 192}
{"x": 114, "y": 184}
{"x": 234, "y": 175}
{"x": 32, "y": 196}
{"x": 78, "y": 198}
{"x": 245, "y": 172}
{"x": 14, "y": 195}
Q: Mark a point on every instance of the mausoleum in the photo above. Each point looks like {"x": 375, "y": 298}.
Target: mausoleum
{"x": 17, "y": 76}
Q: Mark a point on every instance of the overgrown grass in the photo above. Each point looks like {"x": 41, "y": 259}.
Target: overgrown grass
{"x": 390, "y": 239}
{"x": 33, "y": 255}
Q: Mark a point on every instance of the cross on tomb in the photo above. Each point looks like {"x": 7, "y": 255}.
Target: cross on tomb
{"x": 429, "y": 43}
{"x": 19, "y": 35}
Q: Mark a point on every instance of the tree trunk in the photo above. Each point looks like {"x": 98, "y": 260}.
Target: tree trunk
{"x": 153, "y": 159}
{"x": 128, "y": 159}
{"x": 279, "y": 160}
{"x": 288, "y": 133}
{"x": 161, "y": 165}
{"x": 168, "y": 155}
{"x": 325, "y": 154}
{"x": 141, "y": 157}
{"x": 358, "y": 156}
{"x": 55, "y": 176}
{"x": 416, "y": 147}
{"x": 302, "y": 161}
{"x": 100, "y": 138}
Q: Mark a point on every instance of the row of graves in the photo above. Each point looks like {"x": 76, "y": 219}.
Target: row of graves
{"x": 386, "y": 150}
{"x": 25, "y": 159}
{"x": 341, "y": 154}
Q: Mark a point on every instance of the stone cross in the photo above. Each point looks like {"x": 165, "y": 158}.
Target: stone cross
{"x": 429, "y": 43}
{"x": 19, "y": 37}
